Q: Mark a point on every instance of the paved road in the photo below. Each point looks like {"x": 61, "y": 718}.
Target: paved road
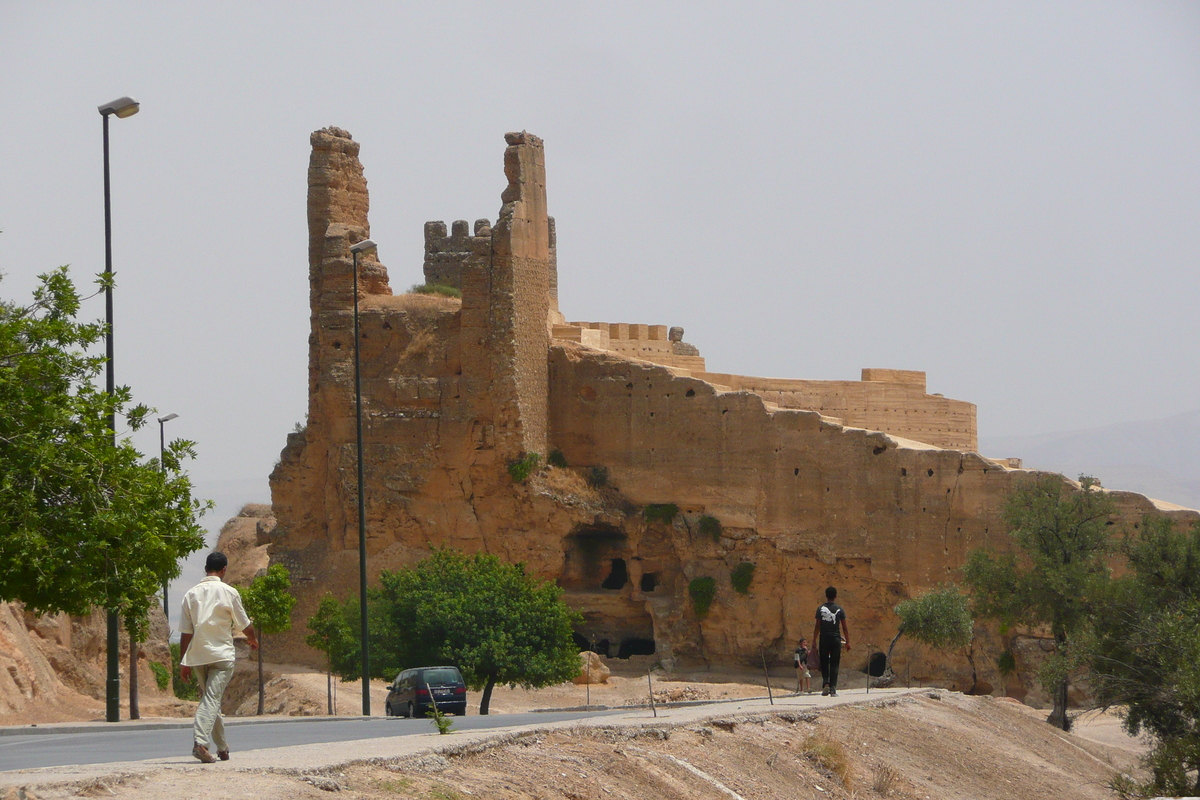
{"x": 104, "y": 745}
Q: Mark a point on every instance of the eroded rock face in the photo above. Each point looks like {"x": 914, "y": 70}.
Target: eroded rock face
{"x": 453, "y": 392}
{"x": 52, "y": 667}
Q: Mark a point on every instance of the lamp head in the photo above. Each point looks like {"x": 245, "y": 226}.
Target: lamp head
{"x": 168, "y": 418}
{"x": 122, "y": 107}
{"x": 362, "y": 247}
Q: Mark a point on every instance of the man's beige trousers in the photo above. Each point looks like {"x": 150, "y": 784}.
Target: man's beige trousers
{"x": 208, "y": 728}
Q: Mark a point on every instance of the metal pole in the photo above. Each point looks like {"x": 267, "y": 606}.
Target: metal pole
{"x": 362, "y": 519}
{"x": 112, "y": 688}
{"x": 651, "y": 685}
{"x": 162, "y": 466}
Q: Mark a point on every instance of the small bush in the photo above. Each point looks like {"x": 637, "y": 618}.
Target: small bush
{"x": 442, "y": 721}
{"x": 519, "y": 469}
{"x": 162, "y": 675}
{"x": 702, "y": 591}
{"x": 435, "y": 288}
{"x": 557, "y": 459}
{"x": 741, "y": 577}
{"x": 660, "y": 512}
{"x": 710, "y": 526}
{"x": 597, "y": 477}
{"x": 1006, "y": 663}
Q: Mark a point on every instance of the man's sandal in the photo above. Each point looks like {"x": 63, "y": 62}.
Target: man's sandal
{"x": 201, "y": 752}
{"x": 223, "y": 755}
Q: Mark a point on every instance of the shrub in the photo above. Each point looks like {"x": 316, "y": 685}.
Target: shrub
{"x": 557, "y": 459}
{"x": 162, "y": 675}
{"x": 1006, "y": 663}
{"x": 597, "y": 477}
{"x": 741, "y": 577}
{"x": 519, "y": 469}
{"x": 660, "y": 512}
{"x": 710, "y": 526}
{"x": 702, "y": 591}
{"x": 435, "y": 288}
{"x": 184, "y": 690}
{"x": 441, "y": 720}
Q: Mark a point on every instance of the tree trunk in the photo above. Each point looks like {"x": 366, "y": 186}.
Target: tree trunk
{"x": 329, "y": 692}
{"x": 974, "y": 672}
{"x": 487, "y": 695}
{"x": 1058, "y": 716}
{"x": 887, "y": 667}
{"x": 260, "y": 670}
{"x": 134, "y": 712}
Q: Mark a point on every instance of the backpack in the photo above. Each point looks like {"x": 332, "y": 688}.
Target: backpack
{"x": 799, "y": 657}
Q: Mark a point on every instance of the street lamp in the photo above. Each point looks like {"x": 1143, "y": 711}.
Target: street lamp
{"x": 162, "y": 467}
{"x": 366, "y": 245}
{"x": 121, "y": 108}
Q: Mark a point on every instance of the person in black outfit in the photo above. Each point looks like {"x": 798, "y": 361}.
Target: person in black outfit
{"x": 830, "y": 640}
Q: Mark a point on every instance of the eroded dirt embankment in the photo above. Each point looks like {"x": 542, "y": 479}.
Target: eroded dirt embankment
{"x": 929, "y": 745}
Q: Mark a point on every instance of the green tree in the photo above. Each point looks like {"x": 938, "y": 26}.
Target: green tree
{"x": 1146, "y": 653}
{"x": 1061, "y": 536}
{"x": 495, "y": 622}
{"x": 334, "y": 629}
{"x": 939, "y": 618}
{"x": 269, "y": 601}
{"x": 84, "y": 523}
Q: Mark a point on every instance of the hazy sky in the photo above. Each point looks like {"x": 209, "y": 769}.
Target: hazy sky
{"x": 1005, "y": 195}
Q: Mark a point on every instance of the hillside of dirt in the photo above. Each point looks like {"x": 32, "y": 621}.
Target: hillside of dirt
{"x": 932, "y": 744}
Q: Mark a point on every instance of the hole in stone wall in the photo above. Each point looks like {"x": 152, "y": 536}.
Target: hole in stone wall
{"x": 879, "y": 450}
{"x": 930, "y": 473}
{"x": 602, "y": 648}
{"x": 588, "y": 557}
{"x": 635, "y": 646}
{"x": 618, "y": 577}
{"x": 649, "y": 581}
{"x": 876, "y": 664}
{"x": 690, "y": 393}
{"x": 796, "y": 471}
{"x": 337, "y": 345}
{"x": 581, "y": 642}
{"x": 903, "y": 472}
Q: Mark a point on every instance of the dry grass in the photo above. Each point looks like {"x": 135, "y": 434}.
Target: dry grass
{"x": 565, "y": 482}
{"x": 829, "y": 755}
{"x": 423, "y": 302}
{"x": 884, "y": 779}
{"x": 419, "y": 344}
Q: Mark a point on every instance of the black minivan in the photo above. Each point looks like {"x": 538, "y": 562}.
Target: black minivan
{"x": 414, "y": 692}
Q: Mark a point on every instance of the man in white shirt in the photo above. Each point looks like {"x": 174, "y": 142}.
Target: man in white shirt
{"x": 212, "y": 613}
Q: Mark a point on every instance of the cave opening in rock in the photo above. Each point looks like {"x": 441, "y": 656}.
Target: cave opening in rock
{"x": 635, "y": 646}
{"x": 649, "y": 581}
{"x": 618, "y": 576}
{"x": 590, "y": 552}
{"x": 581, "y": 641}
{"x": 876, "y": 664}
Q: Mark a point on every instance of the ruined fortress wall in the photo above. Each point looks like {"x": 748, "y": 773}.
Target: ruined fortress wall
{"x": 893, "y": 401}
{"x": 452, "y": 392}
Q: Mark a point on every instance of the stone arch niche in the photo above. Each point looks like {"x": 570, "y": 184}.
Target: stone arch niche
{"x": 597, "y": 580}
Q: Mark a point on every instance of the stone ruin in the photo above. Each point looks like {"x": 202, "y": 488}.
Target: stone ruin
{"x": 875, "y": 486}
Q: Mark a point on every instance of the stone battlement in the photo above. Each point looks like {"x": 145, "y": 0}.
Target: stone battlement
{"x": 446, "y": 254}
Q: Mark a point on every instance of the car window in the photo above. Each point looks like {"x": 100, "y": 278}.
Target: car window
{"x": 443, "y": 675}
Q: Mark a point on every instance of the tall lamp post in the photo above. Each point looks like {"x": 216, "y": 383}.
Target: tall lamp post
{"x": 121, "y": 108}
{"x": 162, "y": 466}
{"x": 366, "y": 245}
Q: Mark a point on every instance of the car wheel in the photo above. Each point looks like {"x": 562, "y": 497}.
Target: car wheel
{"x": 410, "y": 710}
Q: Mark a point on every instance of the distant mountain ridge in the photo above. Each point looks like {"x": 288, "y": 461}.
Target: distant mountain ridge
{"x": 1159, "y": 458}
